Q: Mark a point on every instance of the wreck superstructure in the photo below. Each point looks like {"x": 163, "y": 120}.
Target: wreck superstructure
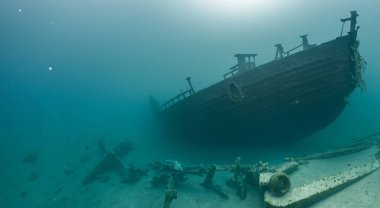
{"x": 284, "y": 100}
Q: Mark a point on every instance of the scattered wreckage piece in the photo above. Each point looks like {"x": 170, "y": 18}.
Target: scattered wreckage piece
{"x": 132, "y": 174}
{"x": 123, "y": 148}
{"x": 305, "y": 195}
{"x": 170, "y": 193}
{"x": 277, "y": 181}
{"x": 240, "y": 179}
{"x": 110, "y": 163}
{"x": 373, "y": 139}
{"x": 209, "y": 183}
{"x": 357, "y": 146}
{"x": 335, "y": 153}
{"x": 169, "y": 170}
{"x": 113, "y": 162}
{"x": 290, "y": 165}
{"x": 243, "y": 175}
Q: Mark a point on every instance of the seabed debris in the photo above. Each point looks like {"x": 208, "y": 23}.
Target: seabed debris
{"x": 273, "y": 181}
{"x": 307, "y": 194}
{"x": 113, "y": 162}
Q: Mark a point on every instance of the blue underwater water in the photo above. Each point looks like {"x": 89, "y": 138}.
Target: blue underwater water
{"x": 76, "y": 72}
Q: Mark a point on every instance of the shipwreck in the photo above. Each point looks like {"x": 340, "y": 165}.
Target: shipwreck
{"x": 298, "y": 93}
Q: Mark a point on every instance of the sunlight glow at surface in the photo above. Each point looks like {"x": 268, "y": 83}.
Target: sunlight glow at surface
{"x": 238, "y": 8}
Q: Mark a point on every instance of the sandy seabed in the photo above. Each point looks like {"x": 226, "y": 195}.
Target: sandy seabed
{"x": 47, "y": 184}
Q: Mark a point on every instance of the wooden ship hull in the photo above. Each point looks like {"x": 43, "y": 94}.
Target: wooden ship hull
{"x": 281, "y": 101}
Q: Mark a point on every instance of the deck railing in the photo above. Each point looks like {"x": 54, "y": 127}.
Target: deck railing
{"x": 239, "y": 67}
{"x": 177, "y": 99}
{"x": 232, "y": 72}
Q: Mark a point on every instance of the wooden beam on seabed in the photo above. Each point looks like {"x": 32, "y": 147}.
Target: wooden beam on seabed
{"x": 305, "y": 195}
